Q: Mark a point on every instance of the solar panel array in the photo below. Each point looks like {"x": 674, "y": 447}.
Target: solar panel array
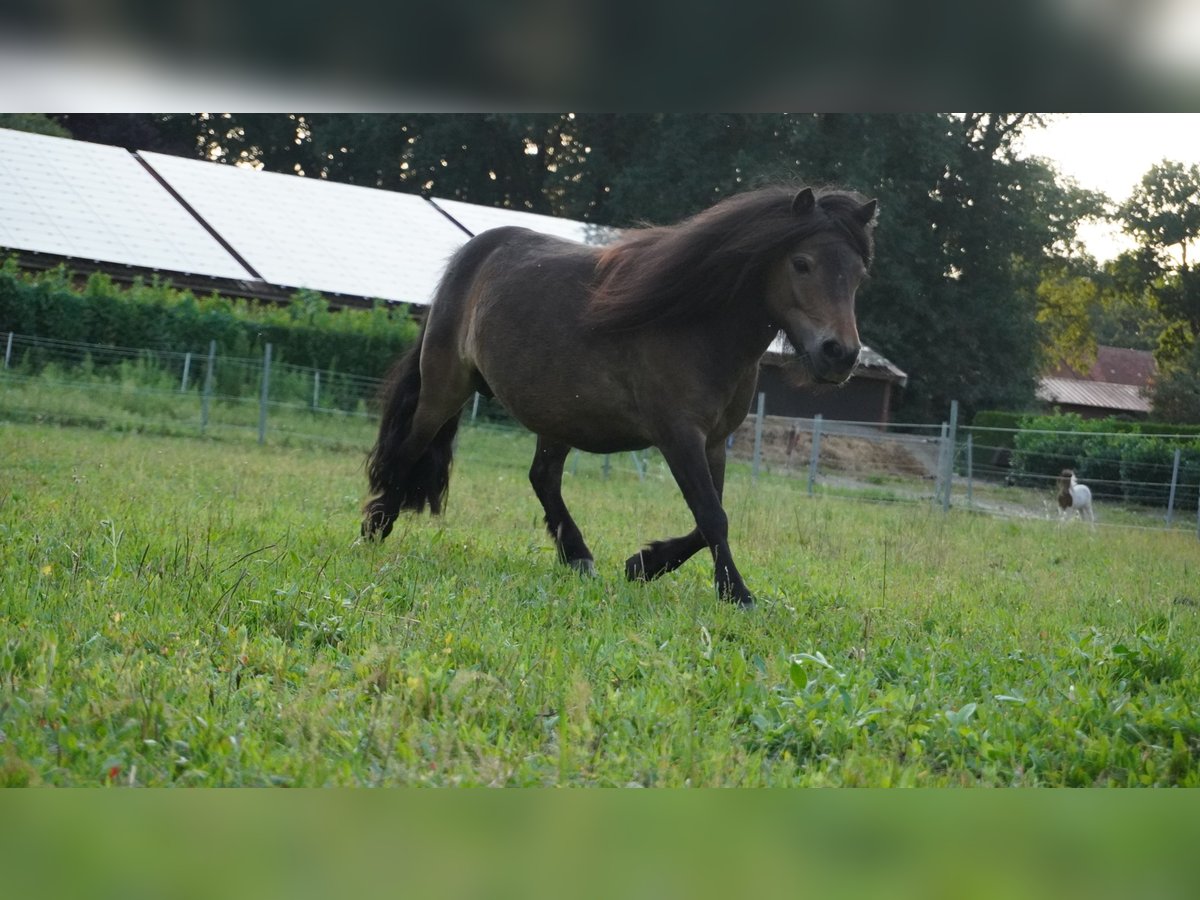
{"x": 478, "y": 218}
{"x": 95, "y": 202}
{"x": 89, "y": 201}
{"x": 308, "y": 233}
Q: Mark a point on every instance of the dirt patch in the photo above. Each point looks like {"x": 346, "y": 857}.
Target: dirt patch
{"x": 788, "y": 445}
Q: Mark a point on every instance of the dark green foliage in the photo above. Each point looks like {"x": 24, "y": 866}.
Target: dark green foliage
{"x": 34, "y": 123}
{"x": 991, "y": 450}
{"x": 1117, "y": 459}
{"x": 156, "y": 316}
{"x": 997, "y": 418}
{"x": 1177, "y": 387}
{"x": 1146, "y": 469}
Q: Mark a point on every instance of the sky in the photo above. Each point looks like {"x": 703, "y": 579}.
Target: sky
{"x": 1110, "y": 152}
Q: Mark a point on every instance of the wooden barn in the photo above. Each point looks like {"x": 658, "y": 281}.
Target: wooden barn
{"x": 866, "y": 397}
{"x": 1115, "y": 385}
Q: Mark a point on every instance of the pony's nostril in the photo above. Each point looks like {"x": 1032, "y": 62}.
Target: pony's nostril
{"x": 839, "y": 353}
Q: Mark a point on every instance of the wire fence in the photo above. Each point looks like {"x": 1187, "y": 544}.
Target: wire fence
{"x": 998, "y": 471}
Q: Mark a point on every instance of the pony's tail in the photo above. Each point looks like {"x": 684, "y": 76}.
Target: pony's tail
{"x": 397, "y": 484}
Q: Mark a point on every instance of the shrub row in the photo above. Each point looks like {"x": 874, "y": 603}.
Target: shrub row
{"x": 1118, "y": 459}
{"x": 157, "y": 316}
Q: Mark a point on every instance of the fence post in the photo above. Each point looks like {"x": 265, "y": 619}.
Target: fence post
{"x": 637, "y": 465}
{"x": 316, "y": 389}
{"x": 951, "y": 431}
{"x": 187, "y": 365}
{"x": 206, "y": 397}
{"x": 758, "y": 433}
{"x": 970, "y": 468}
{"x": 816, "y": 454}
{"x": 8, "y": 350}
{"x": 607, "y": 466}
{"x": 265, "y": 393}
{"x": 1171, "y": 496}
{"x": 940, "y": 466}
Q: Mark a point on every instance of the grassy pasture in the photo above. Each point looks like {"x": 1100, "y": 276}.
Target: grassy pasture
{"x": 178, "y": 611}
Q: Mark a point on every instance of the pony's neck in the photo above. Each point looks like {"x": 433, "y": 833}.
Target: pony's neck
{"x": 731, "y": 342}
{"x": 746, "y": 330}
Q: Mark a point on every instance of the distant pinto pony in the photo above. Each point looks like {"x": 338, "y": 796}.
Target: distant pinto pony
{"x": 1074, "y": 496}
{"x": 654, "y": 340}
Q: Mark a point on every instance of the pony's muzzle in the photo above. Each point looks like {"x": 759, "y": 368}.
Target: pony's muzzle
{"x": 836, "y": 360}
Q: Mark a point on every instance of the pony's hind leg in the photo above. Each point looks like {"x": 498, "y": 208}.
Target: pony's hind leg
{"x": 546, "y": 477}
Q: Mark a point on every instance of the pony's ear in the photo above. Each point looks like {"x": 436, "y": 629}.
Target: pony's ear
{"x": 803, "y": 202}
{"x": 866, "y": 212}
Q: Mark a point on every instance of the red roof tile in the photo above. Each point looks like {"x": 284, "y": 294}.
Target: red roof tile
{"x": 1114, "y": 365}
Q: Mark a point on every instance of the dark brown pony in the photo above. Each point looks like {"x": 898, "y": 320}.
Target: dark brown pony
{"x": 652, "y": 341}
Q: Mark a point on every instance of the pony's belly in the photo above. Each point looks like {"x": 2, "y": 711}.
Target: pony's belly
{"x": 577, "y": 420}
{"x": 591, "y": 432}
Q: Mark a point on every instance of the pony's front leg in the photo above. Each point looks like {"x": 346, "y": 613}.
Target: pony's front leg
{"x": 686, "y": 456}
{"x": 661, "y": 557}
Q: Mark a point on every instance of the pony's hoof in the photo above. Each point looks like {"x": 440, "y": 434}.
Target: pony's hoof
{"x": 585, "y": 567}
{"x": 635, "y": 568}
{"x": 740, "y": 598}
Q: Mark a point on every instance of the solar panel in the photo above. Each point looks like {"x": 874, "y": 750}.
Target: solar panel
{"x": 95, "y": 202}
{"x": 480, "y": 218}
{"x": 310, "y": 233}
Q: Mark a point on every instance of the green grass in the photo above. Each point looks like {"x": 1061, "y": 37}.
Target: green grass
{"x": 177, "y": 611}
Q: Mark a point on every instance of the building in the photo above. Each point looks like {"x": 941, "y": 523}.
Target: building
{"x": 1117, "y": 384}
{"x": 866, "y": 397}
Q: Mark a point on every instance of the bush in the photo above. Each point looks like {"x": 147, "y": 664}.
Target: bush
{"x": 1146, "y": 470}
{"x": 993, "y": 449}
{"x": 1045, "y": 446}
{"x": 156, "y": 316}
{"x": 1116, "y": 458}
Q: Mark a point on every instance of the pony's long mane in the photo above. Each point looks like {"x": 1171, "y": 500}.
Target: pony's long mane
{"x": 708, "y": 262}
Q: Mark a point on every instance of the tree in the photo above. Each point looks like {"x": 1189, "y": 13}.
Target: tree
{"x": 1066, "y": 312}
{"x": 1163, "y": 214}
{"x": 977, "y": 224}
{"x": 1176, "y": 394}
{"x": 174, "y": 134}
{"x": 33, "y": 123}
{"x": 1164, "y": 210}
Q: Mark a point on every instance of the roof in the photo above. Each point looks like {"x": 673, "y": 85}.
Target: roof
{"x": 1075, "y": 392}
{"x": 74, "y": 199}
{"x": 1114, "y": 365}
{"x": 871, "y": 363}
{"x": 323, "y": 235}
{"x": 474, "y": 219}
{"x": 262, "y": 233}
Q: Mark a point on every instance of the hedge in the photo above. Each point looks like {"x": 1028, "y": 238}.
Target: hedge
{"x": 1118, "y": 459}
{"x": 157, "y": 316}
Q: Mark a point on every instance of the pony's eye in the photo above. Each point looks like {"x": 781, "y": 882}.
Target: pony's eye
{"x": 801, "y": 265}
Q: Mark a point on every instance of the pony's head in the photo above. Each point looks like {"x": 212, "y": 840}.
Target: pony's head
{"x": 810, "y": 293}
{"x": 1066, "y": 480}
{"x": 790, "y": 260}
